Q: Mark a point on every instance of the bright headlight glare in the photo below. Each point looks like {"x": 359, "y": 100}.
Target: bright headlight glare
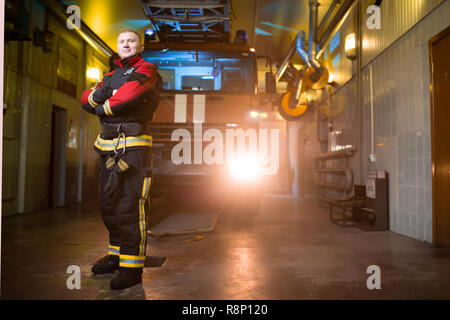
{"x": 254, "y": 114}
{"x": 244, "y": 169}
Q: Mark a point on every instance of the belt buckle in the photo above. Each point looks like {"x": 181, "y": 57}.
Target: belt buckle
{"x": 118, "y": 141}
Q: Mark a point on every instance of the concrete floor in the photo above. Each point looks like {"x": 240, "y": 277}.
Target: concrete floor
{"x": 290, "y": 250}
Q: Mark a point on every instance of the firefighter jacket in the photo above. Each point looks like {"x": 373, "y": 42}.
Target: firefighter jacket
{"x": 137, "y": 83}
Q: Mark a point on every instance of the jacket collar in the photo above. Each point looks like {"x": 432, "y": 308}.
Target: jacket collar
{"x": 128, "y": 62}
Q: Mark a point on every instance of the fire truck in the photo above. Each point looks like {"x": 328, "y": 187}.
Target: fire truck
{"x": 207, "y": 133}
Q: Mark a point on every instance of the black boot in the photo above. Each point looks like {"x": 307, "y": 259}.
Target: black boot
{"x": 126, "y": 278}
{"x": 107, "y": 264}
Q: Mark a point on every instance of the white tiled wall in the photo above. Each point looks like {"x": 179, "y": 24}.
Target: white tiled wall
{"x": 397, "y": 16}
{"x": 401, "y": 79}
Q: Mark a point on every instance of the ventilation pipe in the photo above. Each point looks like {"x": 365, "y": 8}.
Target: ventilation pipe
{"x": 327, "y": 15}
{"x": 313, "y": 9}
{"x": 319, "y": 69}
{"x": 310, "y": 57}
{"x": 314, "y": 76}
{"x": 300, "y": 45}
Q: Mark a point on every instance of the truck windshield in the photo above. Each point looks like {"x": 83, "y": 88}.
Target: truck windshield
{"x": 224, "y": 71}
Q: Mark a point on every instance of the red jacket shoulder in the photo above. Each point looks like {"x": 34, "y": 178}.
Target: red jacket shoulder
{"x": 147, "y": 68}
{"x": 145, "y": 64}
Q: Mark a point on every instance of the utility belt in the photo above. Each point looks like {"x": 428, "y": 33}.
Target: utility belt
{"x": 118, "y": 163}
{"x": 113, "y": 130}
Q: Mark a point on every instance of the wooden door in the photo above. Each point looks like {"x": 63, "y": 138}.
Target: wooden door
{"x": 440, "y": 110}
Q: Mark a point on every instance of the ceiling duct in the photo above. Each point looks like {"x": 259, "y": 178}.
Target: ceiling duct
{"x": 319, "y": 70}
{"x": 313, "y": 6}
{"x": 300, "y": 46}
{"x": 327, "y": 15}
{"x": 316, "y": 75}
{"x": 335, "y": 24}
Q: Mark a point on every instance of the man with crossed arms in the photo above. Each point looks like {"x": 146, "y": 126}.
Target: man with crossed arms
{"x": 125, "y": 101}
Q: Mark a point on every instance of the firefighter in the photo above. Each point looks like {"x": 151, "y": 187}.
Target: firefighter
{"x": 125, "y": 101}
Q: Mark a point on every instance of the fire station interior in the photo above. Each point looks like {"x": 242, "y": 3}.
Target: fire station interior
{"x": 350, "y": 98}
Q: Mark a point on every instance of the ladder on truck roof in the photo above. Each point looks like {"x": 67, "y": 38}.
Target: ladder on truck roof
{"x": 195, "y": 21}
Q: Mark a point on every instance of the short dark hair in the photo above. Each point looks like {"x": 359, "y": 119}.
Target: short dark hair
{"x": 132, "y": 31}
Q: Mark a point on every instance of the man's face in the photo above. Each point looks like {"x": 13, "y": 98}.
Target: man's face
{"x": 128, "y": 45}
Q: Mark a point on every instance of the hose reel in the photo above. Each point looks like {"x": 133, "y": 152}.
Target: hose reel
{"x": 293, "y": 104}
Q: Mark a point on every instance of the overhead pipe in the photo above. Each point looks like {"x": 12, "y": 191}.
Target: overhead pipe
{"x": 327, "y": 15}
{"x": 316, "y": 74}
{"x": 340, "y": 13}
{"x": 300, "y": 46}
{"x": 285, "y": 63}
{"x": 313, "y": 9}
{"x": 312, "y": 56}
{"x": 335, "y": 24}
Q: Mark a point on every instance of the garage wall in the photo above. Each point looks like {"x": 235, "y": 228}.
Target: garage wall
{"x": 401, "y": 82}
{"x": 32, "y": 89}
{"x": 398, "y": 56}
{"x": 397, "y": 17}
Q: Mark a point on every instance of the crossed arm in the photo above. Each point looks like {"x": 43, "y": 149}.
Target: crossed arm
{"x": 106, "y": 102}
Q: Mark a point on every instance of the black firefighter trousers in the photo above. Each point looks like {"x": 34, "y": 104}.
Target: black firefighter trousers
{"x": 125, "y": 212}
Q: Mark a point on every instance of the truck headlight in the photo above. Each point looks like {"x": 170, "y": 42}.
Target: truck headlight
{"x": 254, "y": 114}
{"x": 244, "y": 169}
